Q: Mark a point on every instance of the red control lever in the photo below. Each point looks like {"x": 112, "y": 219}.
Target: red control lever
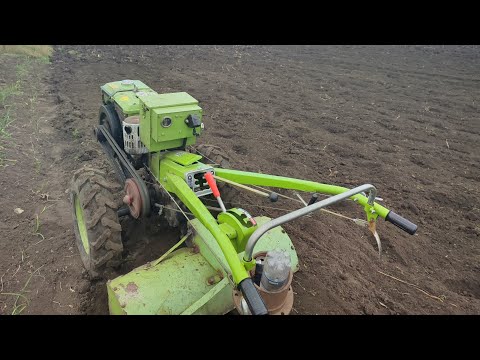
{"x": 213, "y": 186}
{"x": 212, "y": 183}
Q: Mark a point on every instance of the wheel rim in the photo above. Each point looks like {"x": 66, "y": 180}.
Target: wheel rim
{"x": 82, "y": 228}
{"x": 105, "y": 123}
{"x": 133, "y": 198}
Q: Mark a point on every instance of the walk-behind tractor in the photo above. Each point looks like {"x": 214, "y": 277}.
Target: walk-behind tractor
{"x": 226, "y": 259}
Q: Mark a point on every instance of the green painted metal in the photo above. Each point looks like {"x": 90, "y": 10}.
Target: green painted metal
{"x": 187, "y": 196}
{"x": 161, "y": 166}
{"x": 168, "y": 288}
{"x": 372, "y": 214}
{"x": 209, "y": 248}
{"x": 114, "y": 87}
{"x": 129, "y": 102}
{"x": 134, "y": 97}
{"x": 196, "y": 280}
{"x": 189, "y": 280}
{"x": 242, "y": 226}
{"x": 114, "y": 307}
{"x": 154, "y": 165}
{"x": 169, "y": 100}
{"x": 182, "y": 157}
{"x": 229, "y": 231}
{"x": 250, "y": 178}
{"x": 275, "y": 238}
{"x": 221, "y": 293}
{"x": 154, "y": 108}
{"x": 82, "y": 228}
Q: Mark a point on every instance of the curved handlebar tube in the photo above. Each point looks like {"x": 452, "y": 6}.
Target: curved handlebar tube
{"x": 301, "y": 212}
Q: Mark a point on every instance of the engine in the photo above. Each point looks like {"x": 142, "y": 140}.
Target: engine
{"x": 153, "y": 122}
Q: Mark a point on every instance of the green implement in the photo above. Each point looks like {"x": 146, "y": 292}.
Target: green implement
{"x": 194, "y": 280}
{"x": 226, "y": 258}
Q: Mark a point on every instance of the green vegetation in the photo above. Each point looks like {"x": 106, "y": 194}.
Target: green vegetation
{"x": 18, "y": 307}
{"x": 28, "y": 56}
{"x": 39, "y": 51}
{"x": 8, "y": 91}
{"x": 76, "y": 133}
{"x": 5, "y": 120}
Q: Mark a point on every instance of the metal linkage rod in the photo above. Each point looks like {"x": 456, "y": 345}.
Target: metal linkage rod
{"x": 304, "y": 211}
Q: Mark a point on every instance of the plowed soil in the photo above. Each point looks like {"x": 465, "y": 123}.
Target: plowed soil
{"x": 404, "y": 118}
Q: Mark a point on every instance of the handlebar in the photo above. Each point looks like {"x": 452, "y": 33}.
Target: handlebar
{"x": 254, "y": 301}
{"x": 401, "y": 222}
{"x": 301, "y": 212}
{"x": 252, "y": 297}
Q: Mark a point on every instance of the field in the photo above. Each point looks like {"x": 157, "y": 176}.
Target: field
{"x": 404, "y": 118}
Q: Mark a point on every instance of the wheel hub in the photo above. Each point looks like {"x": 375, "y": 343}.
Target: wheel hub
{"x": 132, "y": 198}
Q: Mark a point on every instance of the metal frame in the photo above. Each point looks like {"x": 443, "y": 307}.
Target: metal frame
{"x": 239, "y": 267}
{"x": 250, "y": 178}
{"x": 301, "y": 212}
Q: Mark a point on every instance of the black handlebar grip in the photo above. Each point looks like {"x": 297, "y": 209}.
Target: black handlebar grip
{"x": 401, "y": 222}
{"x": 252, "y": 297}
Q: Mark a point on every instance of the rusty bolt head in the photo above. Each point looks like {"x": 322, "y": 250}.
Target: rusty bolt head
{"x": 196, "y": 249}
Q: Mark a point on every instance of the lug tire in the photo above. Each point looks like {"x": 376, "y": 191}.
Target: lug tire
{"x": 95, "y": 196}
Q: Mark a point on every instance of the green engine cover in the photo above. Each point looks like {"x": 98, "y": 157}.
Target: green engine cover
{"x": 123, "y": 94}
{"x": 128, "y": 102}
{"x": 162, "y": 120}
{"x": 114, "y": 87}
{"x": 133, "y": 97}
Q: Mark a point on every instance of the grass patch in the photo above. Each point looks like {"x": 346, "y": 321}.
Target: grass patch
{"x": 19, "y": 307}
{"x": 2, "y": 158}
{"x": 36, "y": 226}
{"x": 22, "y": 69}
{"x": 27, "y": 56}
{"x": 39, "y": 51}
{"x": 8, "y": 91}
{"x": 5, "y": 120}
{"x": 38, "y": 165}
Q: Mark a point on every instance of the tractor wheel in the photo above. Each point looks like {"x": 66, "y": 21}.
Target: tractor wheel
{"x": 96, "y": 224}
{"x": 216, "y": 156}
{"x": 109, "y": 118}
